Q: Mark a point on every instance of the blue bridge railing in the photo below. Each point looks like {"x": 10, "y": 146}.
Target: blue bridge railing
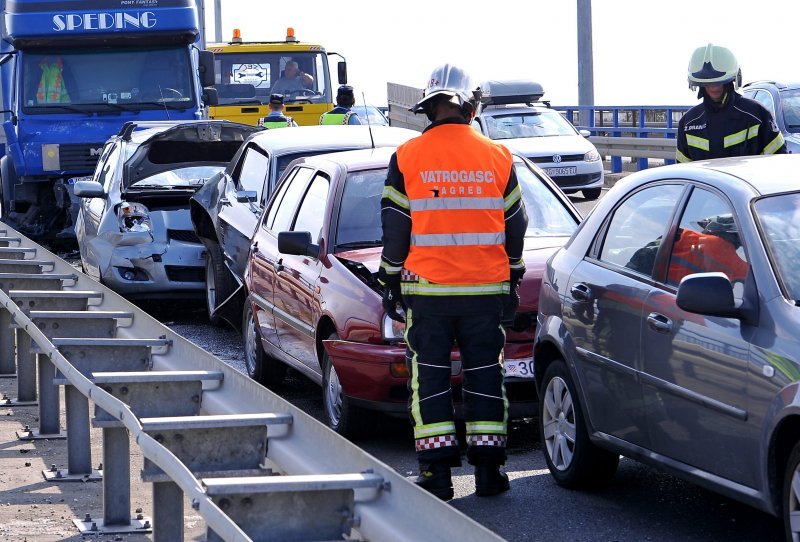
{"x": 626, "y": 120}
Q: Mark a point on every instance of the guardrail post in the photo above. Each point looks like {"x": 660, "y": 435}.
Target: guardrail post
{"x": 7, "y": 366}
{"x": 79, "y": 453}
{"x": 49, "y": 400}
{"x": 670, "y": 133}
{"x": 644, "y": 163}
{"x": 116, "y": 477}
{"x": 616, "y": 161}
{"x": 167, "y": 512}
{"x": 26, "y": 369}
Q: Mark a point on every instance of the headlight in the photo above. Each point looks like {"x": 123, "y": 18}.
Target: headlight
{"x": 133, "y": 217}
{"x": 392, "y": 329}
{"x": 591, "y": 156}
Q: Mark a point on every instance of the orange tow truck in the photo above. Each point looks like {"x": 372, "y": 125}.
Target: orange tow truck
{"x": 248, "y": 72}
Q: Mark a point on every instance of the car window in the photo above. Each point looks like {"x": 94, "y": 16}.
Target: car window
{"x": 286, "y": 203}
{"x": 359, "y": 222}
{"x": 637, "y": 227}
{"x": 530, "y": 124}
{"x": 707, "y": 240}
{"x": 106, "y": 167}
{"x": 765, "y": 98}
{"x": 779, "y": 218}
{"x": 547, "y": 216}
{"x": 254, "y": 169}
{"x": 790, "y": 103}
{"x": 311, "y": 215}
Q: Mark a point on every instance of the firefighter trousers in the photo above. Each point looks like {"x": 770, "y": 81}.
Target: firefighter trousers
{"x": 480, "y": 338}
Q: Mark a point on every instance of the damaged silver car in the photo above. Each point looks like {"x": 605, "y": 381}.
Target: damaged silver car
{"x": 133, "y": 228}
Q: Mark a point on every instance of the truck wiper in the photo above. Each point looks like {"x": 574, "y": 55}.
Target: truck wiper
{"x": 168, "y": 105}
{"x": 70, "y": 108}
{"x": 118, "y": 107}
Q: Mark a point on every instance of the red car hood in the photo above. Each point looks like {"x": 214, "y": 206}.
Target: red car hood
{"x": 537, "y": 250}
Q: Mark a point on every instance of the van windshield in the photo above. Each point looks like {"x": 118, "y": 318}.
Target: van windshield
{"x": 130, "y": 79}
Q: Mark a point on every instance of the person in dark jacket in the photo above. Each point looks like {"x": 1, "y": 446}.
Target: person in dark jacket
{"x": 725, "y": 123}
{"x": 453, "y": 233}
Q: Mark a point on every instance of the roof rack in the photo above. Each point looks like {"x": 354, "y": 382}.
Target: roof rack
{"x": 518, "y": 91}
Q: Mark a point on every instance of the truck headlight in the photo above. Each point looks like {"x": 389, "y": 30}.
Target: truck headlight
{"x": 392, "y": 329}
{"x": 133, "y": 217}
{"x": 591, "y": 156}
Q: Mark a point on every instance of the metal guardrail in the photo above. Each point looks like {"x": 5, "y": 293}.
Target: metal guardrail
{"x": 284, "y": 475}
{"x": 635, "y": 147}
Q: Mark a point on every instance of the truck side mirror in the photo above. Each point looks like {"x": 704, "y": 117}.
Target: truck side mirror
{"x": 206, "y": 68}
{"x": 210, "y": 96}
{"x": 342, "y": 67}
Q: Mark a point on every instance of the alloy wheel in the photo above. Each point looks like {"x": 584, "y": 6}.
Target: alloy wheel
{"x": 793, "y": 505}
{"x": 333, "y": 397}
{"x": 250, "y": 344}
{"x": 558, "y": 420}
{"x": 211, "y": 288}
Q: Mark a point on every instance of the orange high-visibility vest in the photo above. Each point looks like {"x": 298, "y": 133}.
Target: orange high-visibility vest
{"x": 455, "y": 179}
{"x": 696, "y": 252}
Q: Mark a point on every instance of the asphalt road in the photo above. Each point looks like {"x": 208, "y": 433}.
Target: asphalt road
{"x": 640, "y": 503}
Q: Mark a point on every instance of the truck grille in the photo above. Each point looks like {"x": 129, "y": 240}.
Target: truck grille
{"x": 80, "y": 156}
{"x": 548, "y": 159}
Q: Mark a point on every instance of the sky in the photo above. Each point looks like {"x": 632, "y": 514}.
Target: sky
{"x": 641, "y": 48}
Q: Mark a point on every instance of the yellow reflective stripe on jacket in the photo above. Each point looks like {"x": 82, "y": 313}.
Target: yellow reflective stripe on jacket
{"x": 391, "y": 269}
{"x": 680, "y": 157}
{"x": 396, "y": 196}
{"x": 435, "y": 204}
{"x": 512, "y": 198}
{"x": 774, "y": 145}
{"x": 741, "y": 137}
{"x": 431, "y": 289}
{"x": 457, "y": 239}
{"x": 486, "y": 427}
{"x": 697, "y": 142}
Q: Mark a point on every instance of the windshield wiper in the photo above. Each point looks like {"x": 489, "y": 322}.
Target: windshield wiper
{"x": 168, "y": 105}
{"x": 71, "y": 108}
{"x": 118, "y": 107}
{"x": 360, "y": 244}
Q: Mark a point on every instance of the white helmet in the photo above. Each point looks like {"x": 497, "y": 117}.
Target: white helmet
{"x": 713, "y": 64}
{"x": 448, "y": 80}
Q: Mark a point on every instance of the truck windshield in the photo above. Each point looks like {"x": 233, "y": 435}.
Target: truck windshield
{"x": 252, "y": 77}
{"x": 109, "y": 79}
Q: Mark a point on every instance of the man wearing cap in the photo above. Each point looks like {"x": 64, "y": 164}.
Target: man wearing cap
{"x": 342, "y": 113}
{"x": 276, "y": 118}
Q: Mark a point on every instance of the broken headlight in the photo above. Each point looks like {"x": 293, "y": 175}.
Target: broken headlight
{"x": 133, "y": 217}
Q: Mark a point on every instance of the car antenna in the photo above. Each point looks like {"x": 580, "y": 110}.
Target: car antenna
{"x": 366, "y": 114}
{"x": 163, "y": 101}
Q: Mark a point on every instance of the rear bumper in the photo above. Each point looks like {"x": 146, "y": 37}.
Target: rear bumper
{"x": 364, "y": 371}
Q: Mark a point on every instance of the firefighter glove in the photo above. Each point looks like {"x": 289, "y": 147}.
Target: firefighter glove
{"x": 510, "y": 306}
{"x": 391, "y": 299}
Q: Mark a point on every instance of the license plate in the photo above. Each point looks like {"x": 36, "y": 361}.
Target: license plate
{"x": 73, "y": 180}
{"x": 519, "y": 368}
{"x": 560, "y": 171}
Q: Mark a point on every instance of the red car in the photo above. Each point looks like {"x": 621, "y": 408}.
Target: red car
{"x": 315, "y": 303}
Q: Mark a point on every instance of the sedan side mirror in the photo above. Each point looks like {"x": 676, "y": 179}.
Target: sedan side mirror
{"x": 710, "y": 294}
{"x": 585, "y": 133}
{"x": 297, "y": 243}
{"x": 89, "y": 189}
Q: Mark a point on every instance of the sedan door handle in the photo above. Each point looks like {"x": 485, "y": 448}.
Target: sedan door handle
{"x": 224, "y": 201}
{"x": 659, "y": 323}
{"x": 580, "y": 292}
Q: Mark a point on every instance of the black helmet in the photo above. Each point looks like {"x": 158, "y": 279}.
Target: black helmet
{"x": 276, "y": 99}
{"x": 345, "y": 96}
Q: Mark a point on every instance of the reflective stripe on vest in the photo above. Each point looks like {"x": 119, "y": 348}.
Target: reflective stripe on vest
{"x": 697, "y": 142}
{"x": 774, "y": 145}
{"x": 279, "y": 122}
{"x": 455, "y": 179}
{"x": 740, "y": 137}
{"x": 335, "y": 119}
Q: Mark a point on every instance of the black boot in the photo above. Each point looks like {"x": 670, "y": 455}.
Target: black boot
{"x": 490, "y": 480}
{"x": 436, "y": 480}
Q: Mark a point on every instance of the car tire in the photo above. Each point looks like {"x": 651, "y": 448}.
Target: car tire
{"x": 791, "y": 495}
{"x": 340, "y": 414}
{"x": 592, "y": 193}
{"x": 573, "y": 460}
{"x": 219, "y": 282}
{"x": 260, "y": 366}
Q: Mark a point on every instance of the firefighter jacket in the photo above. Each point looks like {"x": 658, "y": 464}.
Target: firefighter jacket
{"x": 741, "y": 127}
{"x": 453, "y": 218}
{"x": 340, "y": 115}
{"x": 700, "y": 252}
{"x": 277, "y": 120}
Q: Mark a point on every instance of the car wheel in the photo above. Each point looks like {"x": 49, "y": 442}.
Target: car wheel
{"x": 341, "y": 415}
{"x": 592, "y": 193}
{"x": 260, "y": 366}
{"x": 571, "y": 457}
{"x": 219, "y": 281}
{"x": 791, "y": 496}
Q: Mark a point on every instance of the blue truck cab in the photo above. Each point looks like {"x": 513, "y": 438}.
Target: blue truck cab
{"x": 72, "y": 72}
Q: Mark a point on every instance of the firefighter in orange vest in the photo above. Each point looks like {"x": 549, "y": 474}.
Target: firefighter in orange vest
{"x": 712, "y": 249}
{"x": 453, "y": 231}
